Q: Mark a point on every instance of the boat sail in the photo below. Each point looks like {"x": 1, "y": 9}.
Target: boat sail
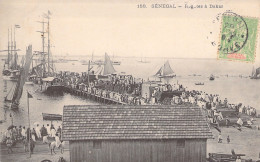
{"x": 16, "y": 91}
{"x": 106, "y": 69}
{"x": 165, "y": 71}
{"x": 255, "y": 73}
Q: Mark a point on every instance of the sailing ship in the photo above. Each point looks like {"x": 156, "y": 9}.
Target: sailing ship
{"x": 102, "y": 71}
{"x": 44, "y": 70}
{"x": 15, "y": 93}
{"x": 255, "y": 73}
{"x": 11, "y": 69}
{"x": 212, "y": 77}
{"x": 165, "y": 71}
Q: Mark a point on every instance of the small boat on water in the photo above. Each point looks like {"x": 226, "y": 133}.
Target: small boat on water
{"x": 199, "y": 83}
{"x": 165, "y": 71}
{"x": 212, "y": 77}
{"x": 255, "y": 73}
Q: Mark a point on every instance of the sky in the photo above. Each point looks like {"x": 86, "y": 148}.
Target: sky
{"x": 120, "y": 28}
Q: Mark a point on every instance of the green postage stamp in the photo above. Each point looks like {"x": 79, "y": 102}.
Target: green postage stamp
{"x": 238, "y": 37}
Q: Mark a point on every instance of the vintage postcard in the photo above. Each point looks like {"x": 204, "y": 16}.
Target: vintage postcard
{"x": 130, "y": 81}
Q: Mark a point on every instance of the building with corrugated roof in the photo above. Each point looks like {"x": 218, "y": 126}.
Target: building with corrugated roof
{"x": 118, "y": 133}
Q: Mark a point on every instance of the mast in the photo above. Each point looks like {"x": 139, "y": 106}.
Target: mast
{"x": 88, "y": 70}
{"x": 11, "y": 49}
{"x": 15, "y": 54}
{"x": 8, "y": 49}
{"x": 15, "y": 51}
{"x": 48, "y": 31}
{"x": 43, "y": 52}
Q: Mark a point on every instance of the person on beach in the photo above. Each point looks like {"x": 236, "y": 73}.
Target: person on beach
{"x": 240, "y": 123}
{"x": 228, "y": 139}
{"x": 53, "y": 131}
{"x": 48, "y": 129}
{"x": 20, "y": 132}
{"x": 44, "y": 135}
{"x": 219, "y": 138}
{"x": 15, "y": 133}
{"x": 38, "y": 131}
{"x": 227, "y": 121}
{"x": 57, "y": 140}
{"x": 33, "y": 135}
{"x": 23, "y": 133}
{"x": 9, "y": 144}
{"x": 59, "y": 131}
{"x": 28, "y": 134}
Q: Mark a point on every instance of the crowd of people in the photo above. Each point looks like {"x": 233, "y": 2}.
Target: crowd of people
{"x": 125, "y": 88}
{"x": 122, "y": 88}
{"x": 14, "y": 135}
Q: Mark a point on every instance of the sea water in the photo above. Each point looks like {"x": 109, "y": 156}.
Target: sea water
{"x": 189, "y": 71}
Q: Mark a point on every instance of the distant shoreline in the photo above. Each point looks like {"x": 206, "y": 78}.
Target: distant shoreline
{"x": 98, "y": 56}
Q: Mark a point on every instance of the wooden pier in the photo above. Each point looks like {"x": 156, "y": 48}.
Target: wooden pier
{"x": 93, "y": 97}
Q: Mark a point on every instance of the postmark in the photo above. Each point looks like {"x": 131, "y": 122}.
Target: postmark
{"x": 238, "y": 37}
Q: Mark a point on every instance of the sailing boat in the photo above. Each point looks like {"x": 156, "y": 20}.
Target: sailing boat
{"x": 255, "y": 73}
{"x": 16, "y": 91}
{"x": 165, "y": 71}
{"x": 143, "y": 61}
{"x": 104, "y": 70}
{"x": 212, "y": 77}
{"x": 11, "y": 68}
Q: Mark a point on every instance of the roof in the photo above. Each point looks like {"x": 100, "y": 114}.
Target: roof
{"x": 88, "y": 122}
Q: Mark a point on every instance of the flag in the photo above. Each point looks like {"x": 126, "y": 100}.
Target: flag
{"x": 29, "y": 95}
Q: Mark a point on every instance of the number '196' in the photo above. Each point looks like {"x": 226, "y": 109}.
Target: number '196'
{"x": 141, "y": 6}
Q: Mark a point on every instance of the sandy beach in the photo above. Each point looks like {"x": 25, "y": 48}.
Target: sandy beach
{"x": 243, "y": 142}
{"x": 41, "y": 152}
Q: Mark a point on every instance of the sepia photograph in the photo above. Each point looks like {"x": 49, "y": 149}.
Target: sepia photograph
{"x": 130, "y": 81}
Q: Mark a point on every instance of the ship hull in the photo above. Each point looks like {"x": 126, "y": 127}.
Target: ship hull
{"x": 171, "y": 76}
{"x": 54, "y": 90}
